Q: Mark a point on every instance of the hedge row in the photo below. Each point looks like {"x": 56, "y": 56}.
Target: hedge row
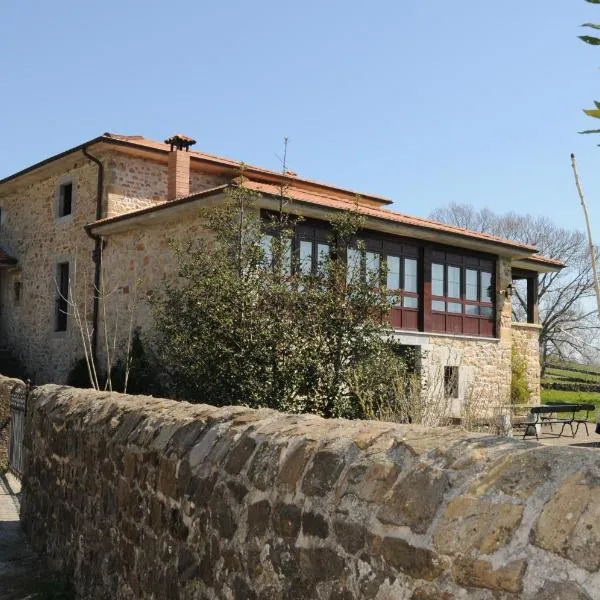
{"x": 571, "y": 386}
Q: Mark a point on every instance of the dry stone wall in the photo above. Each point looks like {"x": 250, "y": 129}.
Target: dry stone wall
{"x": 145, "y": 498}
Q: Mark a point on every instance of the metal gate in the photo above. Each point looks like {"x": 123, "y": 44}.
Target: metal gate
{"x": 18, "y": 410}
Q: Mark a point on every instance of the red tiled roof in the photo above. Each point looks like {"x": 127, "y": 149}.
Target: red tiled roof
{"x": 545, "y": 260}
{"x": 323, "y": 199}
{"x": 142, "y": 142}
{"x": 326, "y": 201}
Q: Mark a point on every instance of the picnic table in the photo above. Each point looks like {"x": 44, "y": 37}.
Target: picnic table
{"x": 557, "y": 414}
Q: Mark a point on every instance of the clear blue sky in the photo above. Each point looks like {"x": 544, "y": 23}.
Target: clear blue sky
{"x": 424, "y": 102}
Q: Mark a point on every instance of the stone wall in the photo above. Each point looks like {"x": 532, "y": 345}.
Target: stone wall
{"x": 39, "y": 239}
{"x": 134, "y": 183}
{"x": 483, "y": 372}
{"x": 146, "y": 498}
{"x": 526, "y": 339}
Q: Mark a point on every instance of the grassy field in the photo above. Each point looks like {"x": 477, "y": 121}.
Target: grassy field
{"x": 571, "y": 372}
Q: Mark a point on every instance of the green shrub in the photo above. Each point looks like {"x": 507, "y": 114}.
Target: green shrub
{"x": 519, "y": 387}
{"x": 79, "y": 376}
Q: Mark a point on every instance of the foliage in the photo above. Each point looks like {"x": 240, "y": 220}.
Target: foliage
{"x": 570, "y": 386}
{"x": 519, "y": 386}
{"x": 245, "y": 324}
{"x": 79, "y": 375}
{"x": 141, "y": 375}
{"x": 569, "y": 328}
{"x": 593, "y": 41}
{"x": 388, "y": 387}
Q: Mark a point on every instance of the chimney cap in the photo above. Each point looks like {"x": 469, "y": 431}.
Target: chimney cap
{"x": 180, "y": 141}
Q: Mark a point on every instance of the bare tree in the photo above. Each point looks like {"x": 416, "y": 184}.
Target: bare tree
{"x": 567, "y": 313}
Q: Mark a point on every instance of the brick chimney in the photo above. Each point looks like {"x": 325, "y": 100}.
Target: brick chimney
{"x": 178, "y": 179}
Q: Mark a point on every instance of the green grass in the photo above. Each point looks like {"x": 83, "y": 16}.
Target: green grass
{"x": 553, "y": 396}
{"x": 564, "y": 374}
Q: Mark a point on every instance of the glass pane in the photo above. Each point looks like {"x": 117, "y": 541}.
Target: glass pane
{"x": 438, "y": 305}
{"x": 454, "y": 307}
{"x": 453, "y": 282}
{"x": 305, "y": 265}
{"x": 471, "y": 309}
{"x": 486, "y": 286}
{"x": 410, "y": 302}
{"x": 487, "y": 311}
{"x": 353, "y": 265}
{"x": 393, "y": 273}
{"x": 437, "y": 280}
{"x": 410, "y": 274}
{"x": 267, "y": 252}
{"x": 322, "y": 255}
{"x": 372, "y": 266}
{"x": 286, "y": 256}
{"x": 471, "y": 291}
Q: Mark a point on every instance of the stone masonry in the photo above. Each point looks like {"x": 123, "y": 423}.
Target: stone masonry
{"x": 145, "y": 498}
{"x": 31, "y": 229}
{"x": 526, "y": 338}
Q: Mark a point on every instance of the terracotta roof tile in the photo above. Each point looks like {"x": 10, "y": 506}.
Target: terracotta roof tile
{"x": 323, "y": 199}
{"x": 140, "y": 141}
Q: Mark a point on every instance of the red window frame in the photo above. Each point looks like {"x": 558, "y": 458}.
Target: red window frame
{"x": 461, "y": 322}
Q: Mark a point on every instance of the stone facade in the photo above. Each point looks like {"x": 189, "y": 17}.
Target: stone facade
{"x": 31, "y": 229}
{"x": 134, "y": 183}
{"x": 526, "y": 339}
{"x": 144, "y": 498}
{"x": 34, "y": 232}
{"x": 137, "y": 261}
{"x": 483, "y": 365}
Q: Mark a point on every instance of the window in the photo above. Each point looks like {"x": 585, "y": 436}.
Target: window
{"x": 451, "y": 382}
{"x": 268, "y": 257}
{"x": 17, "y": 292}
{"x": 305, "y": 259}
{"x": 1, "y": 216}
{"x": 462, "y": 297}
{"x": 402, "y": 280}
{"x": 65, "y": 199}
{"x": 62, "y": 305}
{"x": 311, "y": 248}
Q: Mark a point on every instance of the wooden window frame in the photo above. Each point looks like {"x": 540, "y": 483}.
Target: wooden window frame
{"x": 460, "y": 323}
{"x": 422, "y": 318}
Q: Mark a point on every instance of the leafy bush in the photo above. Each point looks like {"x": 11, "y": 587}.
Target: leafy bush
{"x": 79, "y": 376}
{"x": 519, "y": 387}
{"x": 144, "y": 373}
{"x": 571, "y": 386}
{"x": 243, "y": 326}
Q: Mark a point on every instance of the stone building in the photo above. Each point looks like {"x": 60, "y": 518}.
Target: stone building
{"x": 104, "y": 212}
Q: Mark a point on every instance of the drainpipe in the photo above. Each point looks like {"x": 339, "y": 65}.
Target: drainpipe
{"x": 97, "y": 256}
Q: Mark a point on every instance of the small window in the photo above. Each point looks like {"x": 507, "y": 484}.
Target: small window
{"x": 62, "y": 297}
{"x": 1, "y": 216}
{"x": 451, "y": 382}
{"x": 65, "y": 199}
{"x": 17, "y": 292}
